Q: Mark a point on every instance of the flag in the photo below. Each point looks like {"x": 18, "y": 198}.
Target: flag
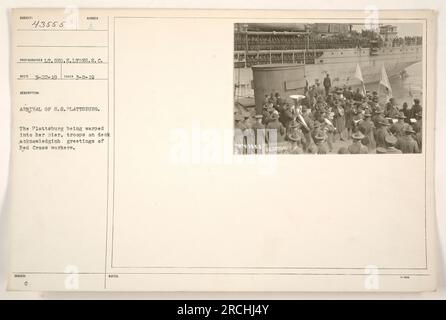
{"x": 384, "y": 80}
{"x": 358, "y": 75}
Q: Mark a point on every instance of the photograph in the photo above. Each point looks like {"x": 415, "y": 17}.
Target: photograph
{"x": 111, "y": 192}
{"x": 328, "y": 88}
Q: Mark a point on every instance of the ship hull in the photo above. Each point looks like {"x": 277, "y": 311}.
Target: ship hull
{"x": 341, "y": 64}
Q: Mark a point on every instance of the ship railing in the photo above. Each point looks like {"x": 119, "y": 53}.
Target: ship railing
{"x": 312, "y": 45}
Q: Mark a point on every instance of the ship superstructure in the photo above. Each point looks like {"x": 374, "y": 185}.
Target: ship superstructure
{"x": 335, "y": 49}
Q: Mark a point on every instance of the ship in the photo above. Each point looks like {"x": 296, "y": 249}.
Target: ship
{"x": 322, "y": 48}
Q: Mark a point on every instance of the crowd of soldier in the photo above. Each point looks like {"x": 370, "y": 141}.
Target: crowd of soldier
{"x": 324, "y": 116}
{"x": 302, "y": 42}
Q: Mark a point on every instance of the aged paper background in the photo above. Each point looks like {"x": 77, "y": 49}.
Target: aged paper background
{"x": 131, "y": 229}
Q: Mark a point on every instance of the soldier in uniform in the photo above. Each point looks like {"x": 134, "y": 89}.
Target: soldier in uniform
{"x": 416, "y": 108}
{"x": 398, "y": 127}
{"x": 418, "y": 128}
{"x": 320, "y": 144}
{"x": 272, "y": 99}
{"x": 307, "y": 139}
{"x": 381, "y": 132}
{"x": 377, "y": 114}
{"x": 357, "y": 147}
{"x": 318, "y": 90}
{"x": 406, "y": 143}
{"x": 329, "y": 129}
{"x": 279, "y": 101}
{"x": 265, "y": 101}
{"x": 267, "y": 114}
{"x": 406, "y": 112}
{"x": 349, "y": 93}
{"x": 327, "y": 84}
{"x": 316, "y": 129}
{"x": 391, "y": 109}
{"x": 339, "y": 119}
{"x": 391, "y": 140}
{"x": 311, "y": 95}
{"x": 348, "y": 113}
{"x": 357, "y": 117}
{"x": 286, "y": 115}
{"x": 375, "y": 101}
{"x": 418, "y": 125}
{"x": 357, "y": 96}
{"x": 277, "y": 126}
{"x": 294, "y": 137}
{"x": 368, "y": 130}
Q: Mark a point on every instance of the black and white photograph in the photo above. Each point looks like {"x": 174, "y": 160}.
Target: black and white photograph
{"x": 112, "y": 191}
{"x": 328, "y": 88}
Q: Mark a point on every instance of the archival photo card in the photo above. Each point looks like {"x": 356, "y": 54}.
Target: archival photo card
{"x": 154, "y": 150}
{"x": 328, "y": 88}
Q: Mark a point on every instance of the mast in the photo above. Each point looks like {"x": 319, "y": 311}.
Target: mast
{"x": 307, "y": 44}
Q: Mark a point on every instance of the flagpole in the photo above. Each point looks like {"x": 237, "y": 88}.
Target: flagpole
{"x": 379, "y": 87}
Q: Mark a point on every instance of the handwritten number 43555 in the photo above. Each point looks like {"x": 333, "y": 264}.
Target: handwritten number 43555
{"x": 48, "y": 24}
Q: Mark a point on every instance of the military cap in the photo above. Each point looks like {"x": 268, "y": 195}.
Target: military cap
{"x": 358, "y": 135}
{"x": 391, "y": 139}
{"x": 409, "y": 129}
{"x": 383, "y": 121}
